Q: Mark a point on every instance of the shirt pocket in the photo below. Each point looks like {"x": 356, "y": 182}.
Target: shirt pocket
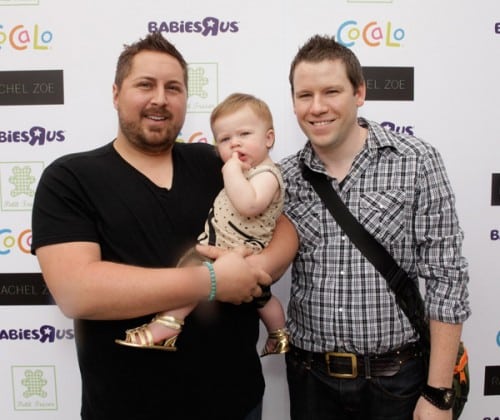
{"x": 306, "y": 216}
{"x": 382, "y": 214}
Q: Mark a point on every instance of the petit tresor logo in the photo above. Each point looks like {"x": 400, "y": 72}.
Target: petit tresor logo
{"x": 207, "y": 26}
{"x": 45, "y": 334}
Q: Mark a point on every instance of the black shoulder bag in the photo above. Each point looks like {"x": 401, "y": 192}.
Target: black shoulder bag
{"x": 405, "y": 289}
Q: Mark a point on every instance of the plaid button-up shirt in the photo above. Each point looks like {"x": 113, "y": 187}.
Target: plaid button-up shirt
{"x": 398, "y": 189}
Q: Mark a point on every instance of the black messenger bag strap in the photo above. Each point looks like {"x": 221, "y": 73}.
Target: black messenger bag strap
{"x": 406, "y": 290}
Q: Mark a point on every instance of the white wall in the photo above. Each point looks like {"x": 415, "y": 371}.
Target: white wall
{"x": 452, "y": 46}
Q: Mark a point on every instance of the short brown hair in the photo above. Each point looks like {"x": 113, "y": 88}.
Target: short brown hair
{"x": 152, "y": 42}
{"x": 319, "y": 48}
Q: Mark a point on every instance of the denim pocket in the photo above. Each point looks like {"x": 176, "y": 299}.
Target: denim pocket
{"x": 404, "y": 385}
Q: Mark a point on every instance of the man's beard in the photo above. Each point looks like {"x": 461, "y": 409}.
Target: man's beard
{"x": 152, "y": 144}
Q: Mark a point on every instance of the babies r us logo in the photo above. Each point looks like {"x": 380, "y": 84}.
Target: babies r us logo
{"x": 208, "y": 26}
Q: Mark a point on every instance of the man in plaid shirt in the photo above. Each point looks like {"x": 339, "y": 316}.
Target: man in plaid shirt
{"x": 354, "y": 353}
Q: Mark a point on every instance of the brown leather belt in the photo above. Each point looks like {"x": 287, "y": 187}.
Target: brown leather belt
{"x": 350, "y": 365}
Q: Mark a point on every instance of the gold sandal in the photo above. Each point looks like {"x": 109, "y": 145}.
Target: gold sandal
{"x": 282, "y": 346}
{"x": 142, "y": 338}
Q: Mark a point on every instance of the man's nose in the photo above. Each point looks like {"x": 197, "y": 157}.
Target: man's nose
{"x": 159, "y": 96}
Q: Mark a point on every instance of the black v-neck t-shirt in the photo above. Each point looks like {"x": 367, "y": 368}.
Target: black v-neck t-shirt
{"x": 97, "y": 196}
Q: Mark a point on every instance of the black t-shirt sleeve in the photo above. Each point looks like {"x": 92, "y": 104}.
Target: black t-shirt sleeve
{"x": 60, "y": 212}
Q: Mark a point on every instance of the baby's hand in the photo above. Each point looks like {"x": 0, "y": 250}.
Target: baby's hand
{"x": 235, "y": 163}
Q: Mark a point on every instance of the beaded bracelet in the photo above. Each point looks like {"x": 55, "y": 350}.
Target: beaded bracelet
{"x": 213, "y": 281}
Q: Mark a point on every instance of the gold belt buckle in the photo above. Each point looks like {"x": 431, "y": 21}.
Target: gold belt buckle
{"x": 354, "y": 365}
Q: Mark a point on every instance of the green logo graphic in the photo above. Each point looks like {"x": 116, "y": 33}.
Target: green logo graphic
{"x": 18, "y": 182}
{"x": 203, "y": 87}
{"x": 19, "y": 2}
{"x": 34, "y": 388}
{"x": 197, "y": 82}
{"x": 23, "y": 181}
{"x": 34, "y": 383}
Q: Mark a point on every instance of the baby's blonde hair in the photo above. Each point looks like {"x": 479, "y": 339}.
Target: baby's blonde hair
{"x": 236, "y": 101}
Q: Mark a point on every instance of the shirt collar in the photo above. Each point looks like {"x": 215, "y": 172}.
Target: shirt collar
{"x": 378, "y": 138}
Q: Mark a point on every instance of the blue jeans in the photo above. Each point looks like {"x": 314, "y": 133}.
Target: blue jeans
{"x": 314, "y": 395}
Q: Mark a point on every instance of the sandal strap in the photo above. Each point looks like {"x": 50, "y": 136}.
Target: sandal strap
{"x": 279, "y": 333}
{"x": 140, "y": 335}
{"x": 282, "y": 345}
{"x": 169, "y": 321}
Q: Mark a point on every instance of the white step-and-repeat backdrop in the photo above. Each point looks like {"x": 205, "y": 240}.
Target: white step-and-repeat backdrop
{"x": 432, "y": 69}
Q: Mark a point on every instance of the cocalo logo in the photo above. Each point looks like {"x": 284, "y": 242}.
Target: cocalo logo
{"x": 196, "y": 137}
{"x": 36, "y": 135}
{"x": 207, "y": 26}
{"x": 44, "y": 334}
{"x": 497, "y": 27}
{"x": 10, "y": 240}
{"x": 371, "y": 34}
{"x": 23, "y": 38}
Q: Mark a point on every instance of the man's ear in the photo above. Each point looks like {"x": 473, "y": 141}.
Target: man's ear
{"x": 116, "y": 90}
{"x": 360, "y": 93}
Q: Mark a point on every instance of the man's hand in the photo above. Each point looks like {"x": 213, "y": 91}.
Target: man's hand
{"x": 214, "y": 252}
{"x": 237, "y": 280}
{"x": 426, "y": 411}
